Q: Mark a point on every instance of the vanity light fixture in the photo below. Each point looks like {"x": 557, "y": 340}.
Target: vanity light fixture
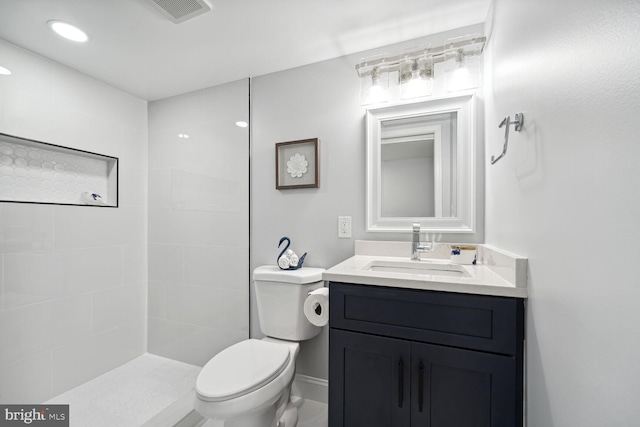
{"x": 68, "y": 31}
{"x": 183, "y": 136}
{"x": 417, "y": 69}
{"x": 4, "y": 71}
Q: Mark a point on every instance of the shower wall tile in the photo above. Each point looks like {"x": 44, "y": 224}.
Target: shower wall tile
{"x": 72, "y": 279}
{"x": 31, "y": 329}
{"x": 198, "y": 223}
{"x": 96, "y": 268}
{"x": 33, "y": 277}
{"x": 25, "y": 228}
{"x": 198, "y": 305}
{"x": 87, "y": 358}
{"x": 178, "y": 112}
{"x": 28, "y": 380}
{"x": 210, "y": 266}
{"x": 190, "y": 343}
{"x": 31, "y": 74}
{"x": 117, "y": 307}
{"x": 166, "y": 263}
{"x": 1, "y": 282}
{"x": 132, "y": 225}
{"x": 85, "y": 227}
{"x": 80, "y": 92}
{"x": 157, "y": 299}
{"x": 187, "y": 227}
{"x": 134, "y": 264}
{"x": 222, "y": 102}
{"x": 31, "y": 117}
{"x": 134, "y": 195}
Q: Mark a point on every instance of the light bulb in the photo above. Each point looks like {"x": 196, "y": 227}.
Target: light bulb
{"x": 416, "y": 86}
{"x": 376, "y": 94}
{"x": 460, "y": 78}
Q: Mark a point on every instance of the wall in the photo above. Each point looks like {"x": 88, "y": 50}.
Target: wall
{"x": 72, "y": 279}
{"x": 566, "y": 196}
{"x": 320, "y": 100}
{"x": 199, "y": 223}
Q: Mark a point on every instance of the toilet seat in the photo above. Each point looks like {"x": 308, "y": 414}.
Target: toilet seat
{"x": 241, "y": 369}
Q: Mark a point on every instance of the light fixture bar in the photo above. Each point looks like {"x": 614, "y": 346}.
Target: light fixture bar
{"x": 437, "y": 54}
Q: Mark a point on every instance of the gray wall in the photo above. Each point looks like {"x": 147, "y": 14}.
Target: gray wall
{"x": 566, "y": 196}
{"x": 320, "y": 100}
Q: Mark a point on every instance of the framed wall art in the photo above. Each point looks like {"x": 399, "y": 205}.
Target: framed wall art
{"x": 297, "y": 164}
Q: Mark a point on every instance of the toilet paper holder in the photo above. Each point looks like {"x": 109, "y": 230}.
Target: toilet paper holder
{"x": 517, "y": 126}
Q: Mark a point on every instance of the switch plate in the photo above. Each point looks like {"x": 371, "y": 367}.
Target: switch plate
{"x": 344, "y": 227}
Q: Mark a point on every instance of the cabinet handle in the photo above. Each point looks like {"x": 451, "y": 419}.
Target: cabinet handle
{"x": 420, "y": 385}
{"x": 400, "y": 383}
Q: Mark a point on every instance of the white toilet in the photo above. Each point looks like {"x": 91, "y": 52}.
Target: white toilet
{"x": 249, "y": 383}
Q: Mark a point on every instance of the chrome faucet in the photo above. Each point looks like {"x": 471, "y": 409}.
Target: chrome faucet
{"x": 416, "y": 247}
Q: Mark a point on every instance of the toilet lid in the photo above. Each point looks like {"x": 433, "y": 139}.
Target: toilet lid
{"x": 241, "y": 369}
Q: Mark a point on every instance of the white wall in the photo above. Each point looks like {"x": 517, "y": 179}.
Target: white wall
{"x": 566, "y": 195}
{"x": 320, "y": 100}
{"x": 72, "y": 279}
{"x": 199, "y": 223}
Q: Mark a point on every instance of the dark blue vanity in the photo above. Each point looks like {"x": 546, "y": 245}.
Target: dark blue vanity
{"x": 407, "y": 357}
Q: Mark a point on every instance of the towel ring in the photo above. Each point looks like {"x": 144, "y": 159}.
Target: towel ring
{"x": 518, "y": 121}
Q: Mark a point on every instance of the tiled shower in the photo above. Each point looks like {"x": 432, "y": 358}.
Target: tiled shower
{"x": 85, "y": 289}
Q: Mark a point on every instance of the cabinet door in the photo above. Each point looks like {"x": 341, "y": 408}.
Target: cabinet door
{"x": 462, "y": 388}
{"x": 368, "y": 380}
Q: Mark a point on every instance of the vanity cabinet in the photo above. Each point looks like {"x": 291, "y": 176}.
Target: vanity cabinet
{"x": 404, "y": 357}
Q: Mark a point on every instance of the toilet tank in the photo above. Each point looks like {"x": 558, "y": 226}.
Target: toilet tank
{"x": 280, "y": 295}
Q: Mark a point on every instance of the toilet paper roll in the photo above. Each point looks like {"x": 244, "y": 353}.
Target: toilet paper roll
{"x": 316, "y": 307}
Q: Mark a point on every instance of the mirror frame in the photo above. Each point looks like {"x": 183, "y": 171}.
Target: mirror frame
{"x": 465, "y": 221}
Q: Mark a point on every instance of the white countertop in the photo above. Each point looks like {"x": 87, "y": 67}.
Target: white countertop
{"x": 497, "y": 273}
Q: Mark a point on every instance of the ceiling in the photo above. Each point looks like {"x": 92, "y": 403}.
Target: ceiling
{"x": 138, "y": 50}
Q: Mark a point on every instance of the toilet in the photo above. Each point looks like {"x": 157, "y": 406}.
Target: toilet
{"x": 249, "y": 383}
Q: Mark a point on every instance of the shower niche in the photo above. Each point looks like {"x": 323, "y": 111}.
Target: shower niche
{"x": 38, "y": 172}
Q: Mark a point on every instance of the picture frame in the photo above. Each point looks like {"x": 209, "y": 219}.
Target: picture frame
{"x": 297, "y": 164}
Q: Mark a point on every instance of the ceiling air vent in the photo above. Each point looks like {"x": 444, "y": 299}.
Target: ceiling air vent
{"x": 181, "y": 10}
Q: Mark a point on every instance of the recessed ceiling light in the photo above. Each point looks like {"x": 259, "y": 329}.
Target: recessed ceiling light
{"x": 242, "y": 124}
{"x": 4, "y": 71}
{"x": 68, "y": 31}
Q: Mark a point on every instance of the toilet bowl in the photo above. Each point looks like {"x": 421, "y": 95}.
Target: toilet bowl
{"x": 249, "y": 383}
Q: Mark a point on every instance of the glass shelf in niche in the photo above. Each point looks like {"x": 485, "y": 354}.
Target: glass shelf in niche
{"x": 38, "y": 172}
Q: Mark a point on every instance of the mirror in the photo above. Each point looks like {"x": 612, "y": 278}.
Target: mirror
{"x": 420, "y": 166}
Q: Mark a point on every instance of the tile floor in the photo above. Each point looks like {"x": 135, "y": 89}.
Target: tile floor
{"x": 151, "y": 391}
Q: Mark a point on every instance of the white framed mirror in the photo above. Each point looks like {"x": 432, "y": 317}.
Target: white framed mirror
{"x": 421, "y": 166}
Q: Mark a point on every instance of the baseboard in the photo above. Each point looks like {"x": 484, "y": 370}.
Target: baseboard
{"x": 310, "y": 388}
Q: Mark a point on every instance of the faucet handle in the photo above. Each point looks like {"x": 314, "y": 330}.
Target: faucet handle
{"x": 416, "y": 227}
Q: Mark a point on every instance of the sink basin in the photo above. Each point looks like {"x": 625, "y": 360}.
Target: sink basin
{"x": 417, "y": 268}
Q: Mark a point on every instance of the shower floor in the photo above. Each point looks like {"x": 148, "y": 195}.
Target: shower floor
{"x": 151, "y": 391}
{"x": 129, "y": 395}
